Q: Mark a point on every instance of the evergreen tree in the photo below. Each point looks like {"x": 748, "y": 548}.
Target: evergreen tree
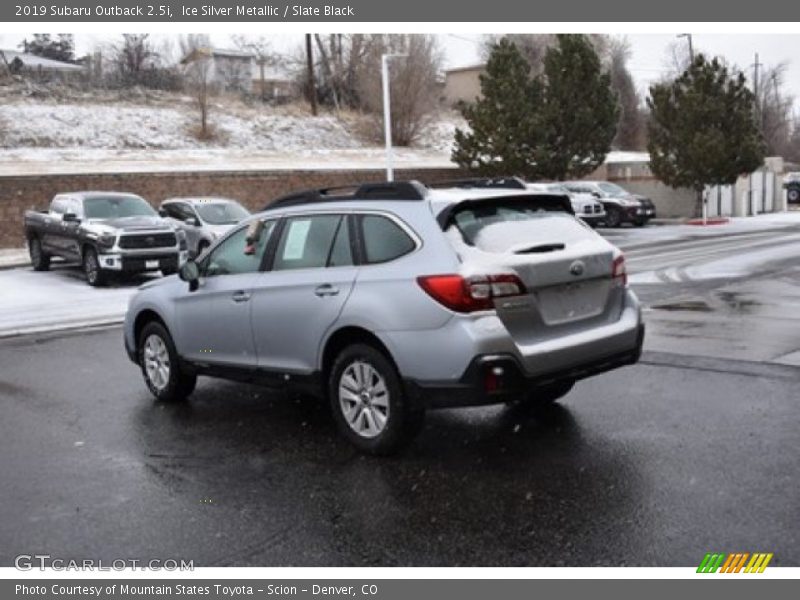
{"x": 580, "y": 111}
{"x": 504, "y": 120}
{"x": 551, "y": 126}
{"x": 702, "y": 129}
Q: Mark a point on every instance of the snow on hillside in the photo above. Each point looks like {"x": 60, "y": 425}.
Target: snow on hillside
{"x": 31, "y": 126}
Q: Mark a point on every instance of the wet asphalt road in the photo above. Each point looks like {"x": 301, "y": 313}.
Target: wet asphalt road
{"x": 654, "y": 464}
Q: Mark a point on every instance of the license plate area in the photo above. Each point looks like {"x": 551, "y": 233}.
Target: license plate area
{"x": 151, "y": 264}
{"x": 572, "y": 301}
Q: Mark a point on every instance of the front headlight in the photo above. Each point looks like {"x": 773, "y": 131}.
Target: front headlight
{"x": 181, "y": 235}
{"x": 107, "y": 240}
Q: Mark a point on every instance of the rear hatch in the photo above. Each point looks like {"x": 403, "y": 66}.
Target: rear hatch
{"x": 566, "y": 268}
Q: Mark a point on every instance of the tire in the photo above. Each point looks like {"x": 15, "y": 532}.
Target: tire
{"x": 168, "y": 272}
{"x": 39, "y": 260}
{"x": 640, "y": 222}
{"x": 793, "y": 195}
{"x": 544, "y": 395}
{"x": 613, "y": 217}
{"x": 160, "y": 365}
{"x": 95, "y": 276}
{"x": 550, "y": 393}
{"x": 369, "y": 404}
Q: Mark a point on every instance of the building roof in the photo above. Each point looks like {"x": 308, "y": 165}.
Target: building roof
{"x": 33, "y": 61}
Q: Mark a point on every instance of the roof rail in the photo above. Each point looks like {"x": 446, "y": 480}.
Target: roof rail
{"x": 514, "y": 183}
{"x": 390, "y": 190}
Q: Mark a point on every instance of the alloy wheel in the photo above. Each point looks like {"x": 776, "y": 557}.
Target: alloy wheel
{"x": 364, "y": 399}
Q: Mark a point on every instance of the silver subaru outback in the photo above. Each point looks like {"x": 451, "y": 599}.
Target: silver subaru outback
{"x": 393, "y": 298}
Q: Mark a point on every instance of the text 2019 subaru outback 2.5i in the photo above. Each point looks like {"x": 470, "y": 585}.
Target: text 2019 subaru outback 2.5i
{"x": 392, "y": 299}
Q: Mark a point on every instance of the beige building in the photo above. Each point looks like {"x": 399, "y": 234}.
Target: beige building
{"x": 462, "y": 84}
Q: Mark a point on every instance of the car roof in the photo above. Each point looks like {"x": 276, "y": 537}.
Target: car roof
{"x": 198, "y": 199}
{"x": 100, "y": 194}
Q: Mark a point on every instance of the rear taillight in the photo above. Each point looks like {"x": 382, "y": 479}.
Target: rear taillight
{"x": 470, "y": 294}
{"x": 618, "y": 271}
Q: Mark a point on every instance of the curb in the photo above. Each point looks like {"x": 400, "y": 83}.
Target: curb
{"x": 61, "y": 327}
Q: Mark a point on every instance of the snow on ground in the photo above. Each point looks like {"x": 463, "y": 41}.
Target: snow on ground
{"x": 40, "y": 137}
{"x": 33, "y": 301}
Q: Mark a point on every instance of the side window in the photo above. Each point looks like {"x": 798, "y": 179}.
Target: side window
{"x": 306, "y": 242}
{"x": 58, "y": 206}
{"x": 229, "y": 258}
{"x": 384, "y": 240}
{"x": 178, "y": 210}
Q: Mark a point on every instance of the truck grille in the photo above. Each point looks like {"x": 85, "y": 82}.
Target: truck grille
{"x": 147, "y": 240}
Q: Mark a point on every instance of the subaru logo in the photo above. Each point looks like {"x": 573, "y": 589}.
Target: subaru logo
{"x": 576, "y": 268}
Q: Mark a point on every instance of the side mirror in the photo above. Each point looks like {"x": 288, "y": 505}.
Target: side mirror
{"x": 162, "y": 213}
{"x": 70, "y": 218}
{"x": 192, "y": 222}
{"x": 190, "y": 272}
{"x": 597, "y": 194}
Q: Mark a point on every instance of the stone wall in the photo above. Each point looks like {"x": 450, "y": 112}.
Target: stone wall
{"x": 254, "y": 189}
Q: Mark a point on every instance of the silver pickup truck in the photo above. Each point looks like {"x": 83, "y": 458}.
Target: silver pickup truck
{"x": 104, "y": 232}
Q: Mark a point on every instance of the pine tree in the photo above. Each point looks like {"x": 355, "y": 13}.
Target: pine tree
{"x": 551, "y": 126}
{"x": 580, "y": 111}
{"x": 504, "y": 120}
{"x": 44, "y": 45}
{"x": 702, "y": 129}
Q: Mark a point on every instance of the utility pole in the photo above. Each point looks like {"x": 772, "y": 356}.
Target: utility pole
{"x": 688, "y": 37}
{"x": 312, "y": 88}
{"x": 756, "y": 65}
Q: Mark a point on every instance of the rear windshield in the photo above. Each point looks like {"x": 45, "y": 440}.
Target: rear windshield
{"x": 114, "y": 207}
{"x": 530, "y": 218}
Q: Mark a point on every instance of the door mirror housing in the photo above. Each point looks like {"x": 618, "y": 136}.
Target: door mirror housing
{"x": 190, "y": 272}
{"x": 70, "y": 218}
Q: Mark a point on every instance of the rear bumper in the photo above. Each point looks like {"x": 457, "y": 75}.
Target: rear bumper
{"x": 498, "y": 378}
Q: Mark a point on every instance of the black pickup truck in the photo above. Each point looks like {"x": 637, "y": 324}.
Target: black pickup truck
{"x": 104, "y": 232}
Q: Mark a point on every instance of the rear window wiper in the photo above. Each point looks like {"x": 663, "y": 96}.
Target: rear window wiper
{"x": 541, "y": 248}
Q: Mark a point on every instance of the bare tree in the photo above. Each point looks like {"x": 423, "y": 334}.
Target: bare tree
{"x": 775, "y": 110}
{"x": 413, "y": 83}
{"x": 197, "y": 64}
{"x": 631, "y": 125}
{"x": 133, "y": 55}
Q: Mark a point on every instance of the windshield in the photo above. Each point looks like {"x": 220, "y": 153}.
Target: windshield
{"x": 558, "y": 187}
{"x": 115, "y": 207}
{"x": 613, "y": 190}
{"x": 221, "y": 213}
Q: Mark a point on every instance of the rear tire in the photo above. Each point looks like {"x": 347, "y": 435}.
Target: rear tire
{"x": 39, "y": 260}
{"x": 95, "y": 276}
{"x": 613, "y": 217}
{"x": 793, "y": 195}
{"x": 160, "y": 365}
{"x": 544, "y": 395}
{"x": 369, "y": 404}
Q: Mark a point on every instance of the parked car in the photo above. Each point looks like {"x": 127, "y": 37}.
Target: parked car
{"x": 393, "y": 299}
{"x": 620, "y": 205}
{"x": 792, "y": 184}
{"x": 202, "y": 219}
{"x": 585, "y": 205}
{"x": 106, "y": 233}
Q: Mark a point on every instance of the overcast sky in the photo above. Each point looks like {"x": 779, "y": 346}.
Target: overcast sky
{"x": 648, "y": 58}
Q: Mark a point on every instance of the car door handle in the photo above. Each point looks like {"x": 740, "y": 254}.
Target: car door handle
{"x": 326, "y": 290}
{"x": 240, "y": 296}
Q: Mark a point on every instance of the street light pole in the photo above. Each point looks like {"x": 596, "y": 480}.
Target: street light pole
{"x": 387, "y": 113}
{"x": 688, "y": 36}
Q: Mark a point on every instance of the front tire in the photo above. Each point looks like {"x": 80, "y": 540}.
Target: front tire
{"x": 793, "y": 195}
{"x": 95, "y": 276}
{"x": 39, "y": 260}
{"x": 160, "y": 365}
{"x": 369, "y": 404}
